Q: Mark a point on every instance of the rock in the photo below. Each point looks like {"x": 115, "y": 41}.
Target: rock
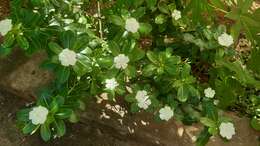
{"x": 168, "y": 133}
{"x": 21, "y": 75}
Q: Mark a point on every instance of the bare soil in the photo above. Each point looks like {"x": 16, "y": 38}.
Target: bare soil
{"x": 80, "y": 134}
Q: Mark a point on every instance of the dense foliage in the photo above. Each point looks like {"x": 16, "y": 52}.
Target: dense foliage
{"x": 168, "y": 57}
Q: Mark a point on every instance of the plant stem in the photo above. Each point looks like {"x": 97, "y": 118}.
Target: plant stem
{"x": 99, "y": 20}
{"x": 218, "y": 8}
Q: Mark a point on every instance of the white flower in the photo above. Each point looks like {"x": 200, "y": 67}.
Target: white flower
{"x": 225, "y": 40}
{"x": 210, "y": 93}
{"x": 38, "y": 115}
{"x": 176, "y": 14}
{"x": 143, "y": 100}
{"x": 121, "y": 61}
{"x": 227, "y": 130}
{"x": 132, "y": 25}
{"x": 166, "y": 113}
{"x": 68, "y": 57}
{"x": 111, "y": 84}
{"x": 5, "y": 26}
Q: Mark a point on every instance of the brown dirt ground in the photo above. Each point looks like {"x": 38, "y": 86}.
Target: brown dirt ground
{"x": 80, "y": 134}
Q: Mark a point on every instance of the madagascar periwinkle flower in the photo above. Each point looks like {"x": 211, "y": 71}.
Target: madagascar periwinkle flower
{"x": 132, "y": 25}
{"x": 210, "y": 93}
{"x": 68, "y": 57}
{"x": 166, "y": 113}
{"x": 176, "y": 15}
{"x": 38, "y": 115}
{"x": 227, "y": 130}
{"x": 225, "y": 40}
{"x": 121, "y": 61}
{"x": 111, "y": 84}
{"x": 143, "y": 100}
{"x": 5, "y": 26}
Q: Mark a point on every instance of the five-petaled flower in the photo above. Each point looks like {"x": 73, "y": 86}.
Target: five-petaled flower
{"x": 132, "y": 25}
{"x": 143, "y": 100}
{"x": 210, "y": 93}
{"x": 166, "y": 113}
{"x": 111, "y": 84}
{"x": 176, "y": 14}
{"x": 38, "y": 115}
{"x": 68, "y": 57}
{"x": 121, "y": 61}
{"x": 5, "y": 26}
{"x": 227, "y": 130}
{"x": 225, "y": 40}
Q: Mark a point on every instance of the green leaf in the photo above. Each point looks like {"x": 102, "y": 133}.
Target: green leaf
{"x": 55, "y": 48}
{"x": 208, "y": 122}
{"x": 138, "y": 13}
{"x": 114, "y": 48}
{"x": 134, "y": 108}
{"x": 130, "y": 71}
{"x": 152, "y": 57}
{"x": 117, "y": 20}
{"x": 83, "y": 65}
{"x": 8, "y": 40}
{"x": 129, "y": 98}
{"x": 136, "y": 54}
{"x": 29, "y": 128}
{"x": 160, "y": 19}
{"x": 193, "y": 92}
{"x": 68, "y": 39}
{"x": 105, "y": 62}
{"x": 254, "y": 60}
{"x": 73, "y": 117}
{"x": 203, "y": 138}
{"x": 45, "y": 132}
{"x": 213, "y": 130}
{"x": 61, "y": 128}
{"x": 137, "y": 3}
{"x": 23, "y": 115}
{"x": 255, "y": 123}
{"x": 163, "y": 7}
{"x": 4, "y": 51}
{"x": 151, "y": 3}
{"x": 183, "y": 93}
{"x": 62, "y": 75}
{"x": 145, "y": 28}
{"x": 54, "y": 106}
{"x": 22, "y": 42}
{"x": 149, "y": 70}
{"x": 63, "y": 113}
{"x": 210, "y": 110}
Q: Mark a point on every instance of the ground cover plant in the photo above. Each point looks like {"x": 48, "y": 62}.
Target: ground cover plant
{"x": 173, "y": 58}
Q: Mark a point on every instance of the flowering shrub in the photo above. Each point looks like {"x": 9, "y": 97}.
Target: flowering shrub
{"x": 172, "y": 58}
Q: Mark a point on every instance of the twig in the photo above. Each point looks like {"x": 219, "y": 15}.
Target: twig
{"x": 99, "y": 20}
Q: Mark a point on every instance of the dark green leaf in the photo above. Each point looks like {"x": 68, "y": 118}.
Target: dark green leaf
{"x": 61, "y": 128}
{"x": 22, "y": 42}
{"x": 45, "y": 132}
